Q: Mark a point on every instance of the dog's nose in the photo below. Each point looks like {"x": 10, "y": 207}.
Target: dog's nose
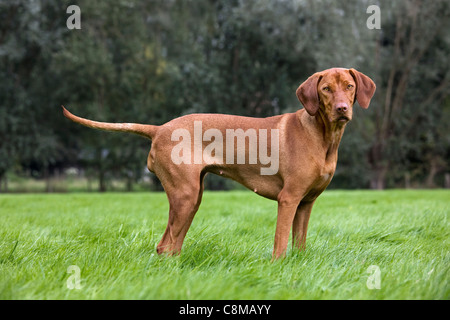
{"x": 341, "y": 107}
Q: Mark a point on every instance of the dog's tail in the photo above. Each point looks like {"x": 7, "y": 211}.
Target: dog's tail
{"x": 145, "y": 130}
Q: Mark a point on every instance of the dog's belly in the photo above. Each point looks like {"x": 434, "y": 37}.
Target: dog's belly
{"x": 268, "y": 186}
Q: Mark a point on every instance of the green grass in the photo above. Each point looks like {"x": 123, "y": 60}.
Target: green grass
{"x": 226, "y": 255}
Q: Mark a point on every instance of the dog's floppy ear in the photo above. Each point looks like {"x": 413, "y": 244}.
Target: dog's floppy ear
{"x": 365, "y": 88}
{"x": 307, "y": 94}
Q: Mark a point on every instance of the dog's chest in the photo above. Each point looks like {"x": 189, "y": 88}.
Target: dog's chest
{"x": 327, "y": 172}
{"x": 321, "y": 182}
{"x": 326, "y": 177}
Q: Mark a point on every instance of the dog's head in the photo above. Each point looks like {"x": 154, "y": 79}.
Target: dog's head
{"x": 334, "y": 91}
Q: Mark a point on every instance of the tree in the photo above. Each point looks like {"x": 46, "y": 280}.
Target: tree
{"x": 417, "y": 34}
{"x": 27, "y": 37}
{"x": 408, "y": 61}
{"x": 151, "y": 61}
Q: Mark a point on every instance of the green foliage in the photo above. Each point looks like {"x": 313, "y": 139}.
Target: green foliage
{"x": 151, "y": 61}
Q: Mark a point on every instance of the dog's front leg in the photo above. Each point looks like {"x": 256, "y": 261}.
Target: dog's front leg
{"x": 287, "y": 207}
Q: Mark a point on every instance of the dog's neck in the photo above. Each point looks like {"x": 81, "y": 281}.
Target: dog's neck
{"x": 330, "y": 131}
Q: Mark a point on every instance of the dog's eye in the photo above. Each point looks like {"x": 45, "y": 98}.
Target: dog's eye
{"x": 326, "y": 89}
{"x": 349, "y": 86}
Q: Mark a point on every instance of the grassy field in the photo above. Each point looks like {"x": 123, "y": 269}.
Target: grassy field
{"x": 108, "y": 242}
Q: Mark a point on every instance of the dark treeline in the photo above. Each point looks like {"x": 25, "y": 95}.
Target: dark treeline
{"x": 151, "y": 61}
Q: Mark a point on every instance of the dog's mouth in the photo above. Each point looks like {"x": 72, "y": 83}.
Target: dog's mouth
{"x": 343, "y": 119}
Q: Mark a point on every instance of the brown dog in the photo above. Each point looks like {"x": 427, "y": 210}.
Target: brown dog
{"x": 297, "y": 154}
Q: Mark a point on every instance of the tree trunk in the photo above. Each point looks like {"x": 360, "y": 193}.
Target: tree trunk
{"x": 101, "y": 181}
{"x": 377, "y": 182}
{"x": 447, "y": 181}
{"x": 48, "y": 182}
{"x": 129, "y": 184}
{"x": 437, "y": 164}
{"x": 407, "y": 180}
{"x": 429, "y": 183}
{"x": 3, "y": 182}
{"x": 379, "y": 166}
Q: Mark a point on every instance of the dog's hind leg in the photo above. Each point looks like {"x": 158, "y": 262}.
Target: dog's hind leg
{"x": 300, "y": 224}
{"x": 184, "y": 201}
